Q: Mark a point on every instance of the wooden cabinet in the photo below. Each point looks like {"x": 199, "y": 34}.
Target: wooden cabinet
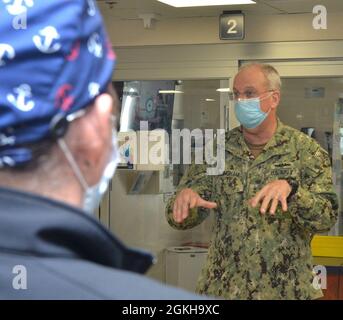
{"x": 334, "y": 289}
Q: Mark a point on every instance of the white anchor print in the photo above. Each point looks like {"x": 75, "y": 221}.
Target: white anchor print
{"x": 91, "y": 8}
{"x": 6, "y": 51}
{"x": 93, "y": 89}
{"x": 95, "y": 46}
{"x": 44, "y": 41}
{"x": 6, "y": 161}
{"x": 6, "y": 141}
{"x": 23, "y": 92}
{"x": 18, "y": 6}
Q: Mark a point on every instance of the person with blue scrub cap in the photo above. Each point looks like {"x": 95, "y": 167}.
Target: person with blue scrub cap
{"x": 58, "y": 151}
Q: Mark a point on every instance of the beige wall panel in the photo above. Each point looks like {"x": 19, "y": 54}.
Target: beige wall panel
{"x": 205, "y": 30}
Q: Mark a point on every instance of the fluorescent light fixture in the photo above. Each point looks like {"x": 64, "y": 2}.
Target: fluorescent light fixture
{"x": 125, "y": 117}
{"x": 204, "y": 3}
{"x": 210, "y": 100}
{"x": 170, "y": 91}
{"x": 224, "y": 90}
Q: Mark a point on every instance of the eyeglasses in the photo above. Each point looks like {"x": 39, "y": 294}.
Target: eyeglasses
{"x": 248, "y": 94}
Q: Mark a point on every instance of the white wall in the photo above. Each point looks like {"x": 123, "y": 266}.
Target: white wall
{"x": 195, "y": 95}
{"x": 139, "y": 220}
{"x": 205, "y": 30}
{"x": 298, "y": 111}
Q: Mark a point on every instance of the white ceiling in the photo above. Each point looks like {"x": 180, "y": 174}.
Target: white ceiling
{"x": 129, "y": 9}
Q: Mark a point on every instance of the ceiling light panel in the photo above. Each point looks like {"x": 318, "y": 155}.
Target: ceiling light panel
{"x": 204, "y": 3}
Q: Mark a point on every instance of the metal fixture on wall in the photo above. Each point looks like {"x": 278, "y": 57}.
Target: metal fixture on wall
{"x": 148, "y": 19}
{"x": 110, "y": 3}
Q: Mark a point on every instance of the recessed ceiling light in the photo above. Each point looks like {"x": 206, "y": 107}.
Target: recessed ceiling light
{"x": 224, "y": 90}
{"x": 210, "y": 100}
{"x": 169, "y": 91}
{"x": 204, "y": 3}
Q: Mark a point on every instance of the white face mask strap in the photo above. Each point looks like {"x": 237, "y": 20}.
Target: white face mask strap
{"x": 257, "y": 98}
{"x": 72, "y": 163}
{"x": 266, "y": 97}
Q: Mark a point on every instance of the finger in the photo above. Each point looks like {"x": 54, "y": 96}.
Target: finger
{"x": 258, "y": 197}
{"x": 283, "y": 201}
{"x": 206, "y": 204}
{"x": 253, "y": 201}
{"x": 265, "y": 203}
{"x": 185, "y": 210}
{"x": 179, "y": 205}
{"x": 177, "y": 211}
{"x": 174, "y": 210}
{"x": 274, "y": 205}
{"x": 193, "y": 202}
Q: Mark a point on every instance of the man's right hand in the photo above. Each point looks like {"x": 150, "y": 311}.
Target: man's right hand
{"x": 189, "y": 199}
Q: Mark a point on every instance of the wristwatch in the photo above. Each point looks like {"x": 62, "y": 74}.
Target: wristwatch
{"x": 294, "y": 185}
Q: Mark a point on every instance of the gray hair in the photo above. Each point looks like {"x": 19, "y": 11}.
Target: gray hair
{"x": 271, "y": 74}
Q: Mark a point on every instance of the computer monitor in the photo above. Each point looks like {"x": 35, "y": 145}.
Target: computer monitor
{"x": 145, "y": 105}
{"x": 310, "y": 131}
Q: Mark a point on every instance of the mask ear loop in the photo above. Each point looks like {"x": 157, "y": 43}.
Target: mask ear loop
{"x": 72, "y": 163}
{"x": 266, "y": 97}
{"x": 270, "y": 94}
{"x": 231, "y": 98}
{"x": 58, "y": 128}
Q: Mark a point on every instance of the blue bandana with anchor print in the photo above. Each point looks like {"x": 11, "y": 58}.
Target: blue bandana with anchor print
{"x": 55, "y": 58}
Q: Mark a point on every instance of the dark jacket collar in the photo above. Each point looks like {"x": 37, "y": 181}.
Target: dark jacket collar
{"x": 34, "y": 225}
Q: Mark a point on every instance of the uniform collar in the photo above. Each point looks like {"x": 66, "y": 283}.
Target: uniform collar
{"x": 279, "y": 139}
{"x": 236, "y": 145}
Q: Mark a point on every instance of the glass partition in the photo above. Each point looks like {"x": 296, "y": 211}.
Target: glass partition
{"x": 139, "y": 219}
{"x": 313, "y": 106}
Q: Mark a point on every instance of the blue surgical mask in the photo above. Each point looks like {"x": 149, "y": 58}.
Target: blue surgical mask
{"x": 93, "y": 194}
{"x": 249, "y": 113}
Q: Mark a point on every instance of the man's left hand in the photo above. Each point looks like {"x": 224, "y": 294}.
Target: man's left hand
{"x": 274, "y": 192}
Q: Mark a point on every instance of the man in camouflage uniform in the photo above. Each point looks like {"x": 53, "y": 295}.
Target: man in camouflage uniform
{"x": 260, "y": 249}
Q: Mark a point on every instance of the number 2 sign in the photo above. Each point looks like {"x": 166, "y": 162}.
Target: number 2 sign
{"x": 232, "y": 26}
